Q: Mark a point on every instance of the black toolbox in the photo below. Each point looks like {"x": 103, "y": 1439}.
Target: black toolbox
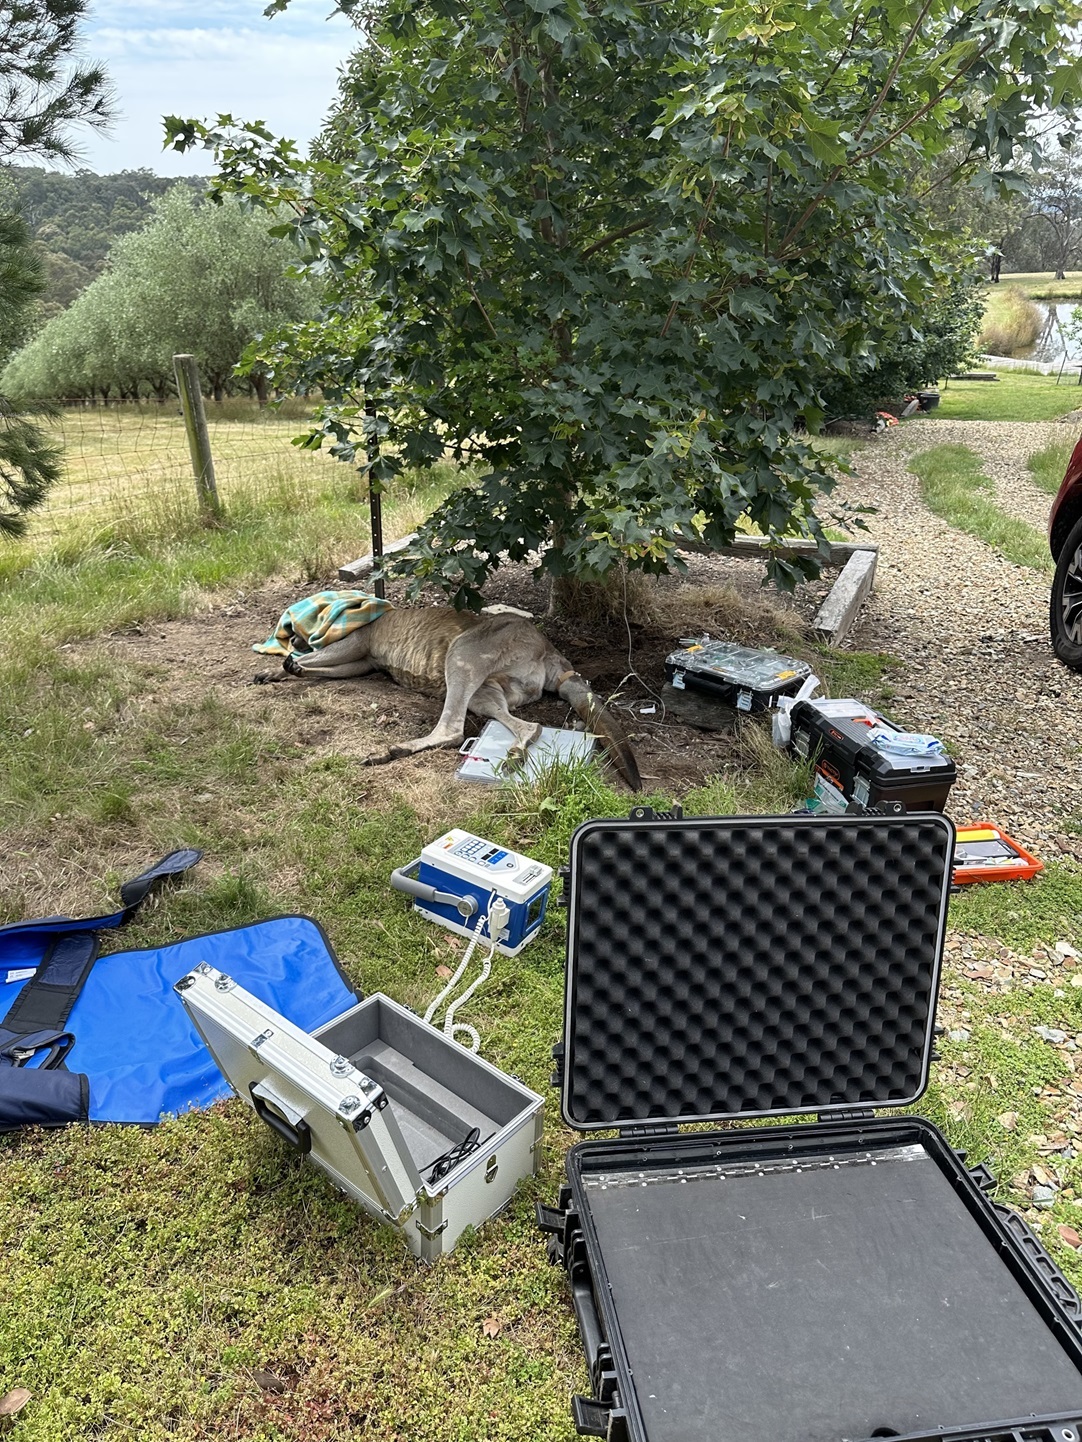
{"x": 844, "y": 1277}
{"x": 850, "y": 768}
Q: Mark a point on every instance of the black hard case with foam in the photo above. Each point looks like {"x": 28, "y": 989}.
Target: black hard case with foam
{"x": 842, "y": 1278}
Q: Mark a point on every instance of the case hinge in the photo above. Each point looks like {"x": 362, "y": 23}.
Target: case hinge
{"x": 430, "y": 1232}
{"x": 980, "y": 1174}
{"x": 663, "y": 1129}
{"x": 564, "y": 898}
{"x": 848, "y": 1114}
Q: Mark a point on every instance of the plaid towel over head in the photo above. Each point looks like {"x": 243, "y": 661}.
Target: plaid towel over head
{"x": 318, "y": 620}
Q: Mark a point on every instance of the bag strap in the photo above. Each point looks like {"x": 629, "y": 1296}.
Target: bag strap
{"x": 134, "y": 892}
{"x": 45, "y": 1002}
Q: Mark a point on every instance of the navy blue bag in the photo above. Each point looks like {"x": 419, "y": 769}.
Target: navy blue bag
{"x": 105, "y": 1039}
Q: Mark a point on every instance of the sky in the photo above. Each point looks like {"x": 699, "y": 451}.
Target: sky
{"x": 195, "y": 58}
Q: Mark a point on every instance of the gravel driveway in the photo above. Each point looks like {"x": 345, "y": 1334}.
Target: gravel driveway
{"x": 971, "y": 630}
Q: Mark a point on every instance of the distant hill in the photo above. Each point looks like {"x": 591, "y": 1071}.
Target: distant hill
{"x": 76, "y": 217}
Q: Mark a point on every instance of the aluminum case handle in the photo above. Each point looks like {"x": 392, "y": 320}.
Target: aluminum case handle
{"x": 299, "y": 1136}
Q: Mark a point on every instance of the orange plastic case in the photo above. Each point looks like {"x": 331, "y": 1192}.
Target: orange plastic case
{"x": 983, "y": 852}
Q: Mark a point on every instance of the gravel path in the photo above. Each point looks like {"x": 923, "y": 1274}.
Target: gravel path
{"x": 972, "y": 632}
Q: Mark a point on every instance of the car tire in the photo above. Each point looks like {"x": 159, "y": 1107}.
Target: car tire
{"x": 1065, "y": 611}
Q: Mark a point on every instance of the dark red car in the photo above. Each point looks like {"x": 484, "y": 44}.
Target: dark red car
{"x": 1065, "y": 538}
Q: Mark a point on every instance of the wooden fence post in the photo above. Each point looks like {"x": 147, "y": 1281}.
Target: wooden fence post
{"x": 195, "y": 423}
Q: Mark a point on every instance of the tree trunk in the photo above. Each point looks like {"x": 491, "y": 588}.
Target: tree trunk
{"x": 259, "y": 381}
{"x": 218, "y": 391}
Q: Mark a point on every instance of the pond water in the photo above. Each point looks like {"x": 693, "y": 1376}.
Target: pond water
{"x": 1054, "y": 342}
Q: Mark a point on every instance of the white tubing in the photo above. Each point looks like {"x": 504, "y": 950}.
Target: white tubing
{"x": 450, "y": 1026}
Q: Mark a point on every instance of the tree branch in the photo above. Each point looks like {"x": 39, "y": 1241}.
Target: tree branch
{"x": 615, "y": 235}
{"x": 892, "y": 73}
{"x": 817, "y": 200}
{"x": 923, "y": 111}
{"x": 691, "y": 258}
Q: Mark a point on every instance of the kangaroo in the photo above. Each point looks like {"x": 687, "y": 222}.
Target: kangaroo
{"x": 490, "y": 665}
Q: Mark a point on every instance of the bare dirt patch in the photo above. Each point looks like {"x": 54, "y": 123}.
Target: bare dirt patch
{"x": 210, "y": 654}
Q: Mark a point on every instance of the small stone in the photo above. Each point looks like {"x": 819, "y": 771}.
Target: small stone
{"x": 1044, "y": 1196}
{"x": 1051, "y": 1034}
{"x": 959, "y": 1034}
{"x": 1065, "y": 949}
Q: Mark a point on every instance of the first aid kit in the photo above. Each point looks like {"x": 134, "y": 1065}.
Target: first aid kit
{"x": 984, "y": 852}
{"x": 426, "y": 1136}
{"x": 746, "y": 679}
{"x": 845, "y": 1276}
{"x": 457, "y": 878}
{"x": 860, "y": 758}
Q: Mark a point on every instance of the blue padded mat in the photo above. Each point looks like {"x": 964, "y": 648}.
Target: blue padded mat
{"x": 133, "y": 1038}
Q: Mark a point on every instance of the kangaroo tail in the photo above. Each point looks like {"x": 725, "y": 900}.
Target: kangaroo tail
{"x": 575, "y": 690}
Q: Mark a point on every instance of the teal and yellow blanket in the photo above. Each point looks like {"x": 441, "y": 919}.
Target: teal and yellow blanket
{"x": 318, "y": 620}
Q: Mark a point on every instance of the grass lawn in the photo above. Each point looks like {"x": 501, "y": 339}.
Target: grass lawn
{"x": 1015, "y": 396}
{"x": 954, "y": 486}
{"x": 196, "y": 1280}
{"x": 1042, "y": 285}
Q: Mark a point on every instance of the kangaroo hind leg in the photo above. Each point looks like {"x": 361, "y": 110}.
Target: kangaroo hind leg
{"x": 463, "y": 674}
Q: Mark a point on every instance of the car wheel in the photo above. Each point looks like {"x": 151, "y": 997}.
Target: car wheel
{"x": 1065, "y": 616}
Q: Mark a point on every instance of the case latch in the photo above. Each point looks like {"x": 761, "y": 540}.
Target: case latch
{"x": 599, "y": 1419}
{"x": 557, "y": 1077}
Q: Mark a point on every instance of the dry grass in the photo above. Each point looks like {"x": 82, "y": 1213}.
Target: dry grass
{"x": 129, "y": 465}
{"x": 685, "y": 609}
{"x": 1011, "y": 323}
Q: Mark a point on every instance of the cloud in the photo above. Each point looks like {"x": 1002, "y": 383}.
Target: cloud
{"x": 185, "y": 57}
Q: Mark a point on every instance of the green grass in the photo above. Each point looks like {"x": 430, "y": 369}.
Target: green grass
{"x": 1042, "y": 285}
{"x": 1016, "y": 396}
{"x": 954, "y": 486}
{"x": 1046, "y": 909}
{"x": 1048, "y": 466}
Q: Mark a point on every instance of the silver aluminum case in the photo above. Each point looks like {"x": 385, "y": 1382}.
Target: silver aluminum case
{"x": 363, "y": 1150}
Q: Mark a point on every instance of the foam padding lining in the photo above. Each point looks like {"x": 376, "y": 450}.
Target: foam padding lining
{"x": 752, "y": 965}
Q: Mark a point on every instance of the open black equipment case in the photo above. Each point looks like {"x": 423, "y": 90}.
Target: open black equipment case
{"x": 827, "y": 1280}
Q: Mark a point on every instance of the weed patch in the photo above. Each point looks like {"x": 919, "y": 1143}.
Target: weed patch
{"x": 1048, "y": 466}
{"x": 1023, "y": 913}
{"x": 954, "y": 486}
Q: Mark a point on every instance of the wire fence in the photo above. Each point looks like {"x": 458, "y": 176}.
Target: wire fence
{"x": 129, "y": 466}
